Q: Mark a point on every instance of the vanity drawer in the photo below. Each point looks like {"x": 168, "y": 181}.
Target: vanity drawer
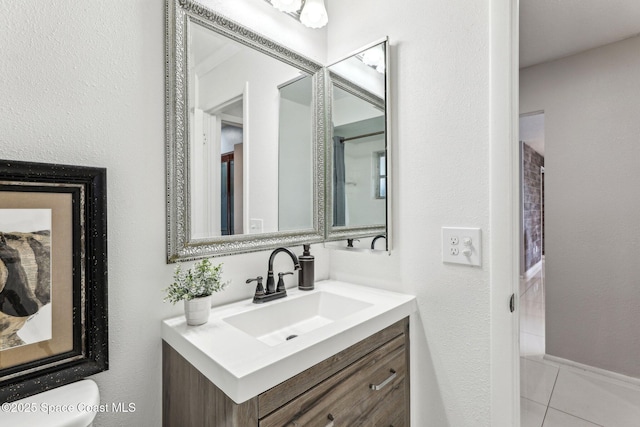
{"x": 285, "y": 392}
{"x": 347, "y": 398}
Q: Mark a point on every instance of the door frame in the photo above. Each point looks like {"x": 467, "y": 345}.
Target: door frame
{"x": 504, "y": 207}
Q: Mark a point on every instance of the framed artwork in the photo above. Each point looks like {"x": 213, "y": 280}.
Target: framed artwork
{"x": 53, "y": 276}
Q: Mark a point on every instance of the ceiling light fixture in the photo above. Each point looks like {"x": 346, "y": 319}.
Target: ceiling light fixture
{"x": 287, "y": 6}
{"x": 314, "y": 14}
{"x": 374, "y": 58}
{"x": 311, "y": 13}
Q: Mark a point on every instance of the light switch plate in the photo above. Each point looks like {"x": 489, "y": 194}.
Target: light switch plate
{"x": 462, "y": 245}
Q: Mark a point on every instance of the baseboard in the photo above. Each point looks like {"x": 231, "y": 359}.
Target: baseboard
{"x": 610, "y": 374}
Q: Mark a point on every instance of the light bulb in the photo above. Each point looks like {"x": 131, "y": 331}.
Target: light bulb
{"x": 373, "y": 57}
{"x": 314, "y": 14}
{"x": 287, "y": 6}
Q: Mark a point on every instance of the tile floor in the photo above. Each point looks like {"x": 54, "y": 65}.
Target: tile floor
{"x": 555, "y": 395}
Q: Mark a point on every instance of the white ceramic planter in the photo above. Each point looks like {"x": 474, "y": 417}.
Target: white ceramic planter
{"x": 197, "y": 310}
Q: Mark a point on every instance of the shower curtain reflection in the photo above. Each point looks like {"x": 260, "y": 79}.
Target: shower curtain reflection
{"x": 339, "y": 202}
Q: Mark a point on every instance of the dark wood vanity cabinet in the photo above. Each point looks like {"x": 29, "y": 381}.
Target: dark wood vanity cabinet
{"x": 365, "y": 385}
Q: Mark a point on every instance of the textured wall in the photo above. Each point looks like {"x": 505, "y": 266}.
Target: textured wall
{"x": 532, "y": 214}
{"x": 592, "y": 203}
{"x": 440, "y": 115}
{"x": 83, "y": 83}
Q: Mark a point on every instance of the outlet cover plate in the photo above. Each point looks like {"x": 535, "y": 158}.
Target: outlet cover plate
{"x": 469, "y": 252}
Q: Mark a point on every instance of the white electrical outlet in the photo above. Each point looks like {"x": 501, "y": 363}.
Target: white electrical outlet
{"x": 469, "y": 253}
{"x": 256, "y": 225}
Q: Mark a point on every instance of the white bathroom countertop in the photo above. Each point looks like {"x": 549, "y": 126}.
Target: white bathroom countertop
{"x": 243, "y": 366}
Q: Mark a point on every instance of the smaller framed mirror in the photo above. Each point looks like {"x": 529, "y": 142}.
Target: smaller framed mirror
{"x": 358, "y": 163}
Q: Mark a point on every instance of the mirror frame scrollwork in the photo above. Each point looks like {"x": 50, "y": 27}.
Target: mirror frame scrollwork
{"x": 180, "y": 246}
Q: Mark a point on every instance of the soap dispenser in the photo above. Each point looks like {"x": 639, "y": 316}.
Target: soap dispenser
{"x": 306, "y": 278}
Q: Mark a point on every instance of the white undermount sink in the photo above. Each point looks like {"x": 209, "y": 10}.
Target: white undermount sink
{"x": 244, "y": 349}
{"x": 275, "y": 324}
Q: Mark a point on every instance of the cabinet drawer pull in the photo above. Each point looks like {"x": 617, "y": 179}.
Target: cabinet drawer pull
{"x": 385, "y": 382}
{"x": 331, "y": 420}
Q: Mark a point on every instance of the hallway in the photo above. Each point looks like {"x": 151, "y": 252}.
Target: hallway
{"x": 556, "y": 395}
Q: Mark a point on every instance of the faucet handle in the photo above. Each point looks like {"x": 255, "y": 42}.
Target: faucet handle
{"x": 259, "y": 287}
{"x": 280, "y": 286}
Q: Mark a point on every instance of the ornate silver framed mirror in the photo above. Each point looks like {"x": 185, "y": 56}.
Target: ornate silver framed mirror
{"x": 245, "y": 131}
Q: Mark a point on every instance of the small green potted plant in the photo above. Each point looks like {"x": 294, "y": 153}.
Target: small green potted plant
{"x": 195, "y": 287}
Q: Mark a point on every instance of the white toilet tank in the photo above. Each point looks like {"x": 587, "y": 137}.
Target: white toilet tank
{"x": 72, "y": 405}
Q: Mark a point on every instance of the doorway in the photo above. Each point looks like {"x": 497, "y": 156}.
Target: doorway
{"x": 586, "y": 372}
{"x": 532, "y": 262}
{"x": 226, "y": 194}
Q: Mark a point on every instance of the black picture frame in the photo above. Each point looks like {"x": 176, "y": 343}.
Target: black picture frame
{"x": 86, "y": 328}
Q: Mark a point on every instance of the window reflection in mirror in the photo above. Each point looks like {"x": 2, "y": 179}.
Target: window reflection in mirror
{"x": 251, "y": 140}
{"x": 381, "y": 174}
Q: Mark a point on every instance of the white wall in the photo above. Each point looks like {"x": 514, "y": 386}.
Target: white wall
{"x": 356, "y": 71}
{"x": 592, "y": 147}
{"x": 348, "y": 108}
{"x": 440, "y": 134}
{"x": 296, "y": 162}
{"x": 83, "y": 83}
{"x": 360, "y": 158}
{"x": 262, "y": 101}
